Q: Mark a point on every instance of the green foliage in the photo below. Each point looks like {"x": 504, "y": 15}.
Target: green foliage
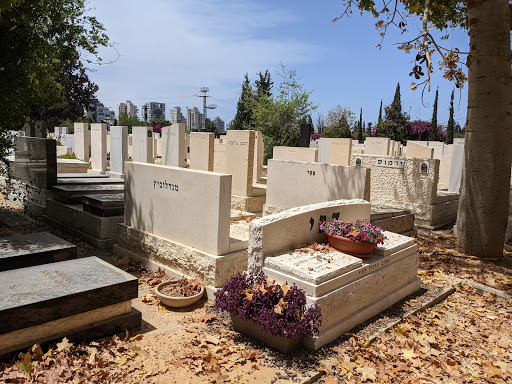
{"x": 263, "y": 85}
{"x": 46, "y": 48}
{"x": 450, "y": 127}
{"x": 338, "y": 122}
{"x": 396, "y": 123}
{"x": 279, "y": 116}
{"x": 244, "y": 118}
{"x": 130, "y": 121}
{"x": 68, "y": 156}
{"x": 211, "y": 127}
{"x": 360, "y": 126}
{"x": 397, "y": 101}
{"x": 433, "y": 134}
{"x": 380, "y": 112}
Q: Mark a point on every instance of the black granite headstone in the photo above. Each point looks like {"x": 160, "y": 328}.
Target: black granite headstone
{"x": 104, "y": 205}
{"x": 40, "y": 294}
{"x": 33, "y": 249}
{"x": 73, "y": 193}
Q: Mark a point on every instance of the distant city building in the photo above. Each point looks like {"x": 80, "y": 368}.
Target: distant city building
{"x": 153, "y": 110}
{"x": 99, "y": 112}
{"x": 219, "y": 123}
{"x": 129, "y": 108}
{"x": 194, "y": 119}
{"x": 176, "y": 116}
{"x": 230, "y": 124}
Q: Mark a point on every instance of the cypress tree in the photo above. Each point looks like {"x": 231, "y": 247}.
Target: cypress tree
{"x": 434, "y": 136}
{"x": 263, "y": 85}
{"x": 244, "y": 109}
{"x": 380, "y": 112}
{"x": 360, "y": 133}
{"x": 397, "y": 102}
{"x": 449, "y": 129}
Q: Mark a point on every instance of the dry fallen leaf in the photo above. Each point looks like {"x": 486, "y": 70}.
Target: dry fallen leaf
{"x": 209, "y": 318}
{"x": 367, "y": 373}
{"x": 64, "y": 345}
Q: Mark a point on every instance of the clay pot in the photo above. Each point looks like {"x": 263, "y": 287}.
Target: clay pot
{"x": 176, "y": 302}
{"x": 252, "y": 329}
{"x": 351, "y": 247}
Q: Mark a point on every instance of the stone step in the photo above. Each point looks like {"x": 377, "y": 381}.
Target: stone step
{"x": 73, "y": 193}
{"x": 89, "y": 181}
{"x": 81, "y": 175}
{"x": 104, "y": 204}
{"x": 33, "y": 249}
{"x": 50, "y": 301}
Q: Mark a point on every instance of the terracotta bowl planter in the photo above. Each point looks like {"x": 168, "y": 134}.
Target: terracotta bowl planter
{"x": 252, "y": 329}
{"x": 176, "y": 302}
{"x": 351, "y": 247}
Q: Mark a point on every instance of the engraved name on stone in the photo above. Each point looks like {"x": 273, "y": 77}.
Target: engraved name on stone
{"x": 238, "y": 143}
{"x": 390, "y": 163}
{"x": 55, "y": 278}
{"x": 165, "y": 185}
{"x": 373, "y": 267}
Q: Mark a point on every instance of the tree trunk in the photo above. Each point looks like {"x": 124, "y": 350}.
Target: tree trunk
{"x": 485, "y": 187}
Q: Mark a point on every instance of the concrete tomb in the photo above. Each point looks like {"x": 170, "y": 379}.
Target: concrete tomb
{"x": 118, "y": 150}
{"x": 143, "y": 144}
{"x": 36, "y": 161}
{"x": 62, "y": 150}
{"x": 71, "y": 166}
{"x": 348, "y": 290}
{"x": 99, "y": 147}
{"x": 334, "y": 151}
{"x": 294, "y": 184}
{"x": 82, "y": 141}
{"x": 410, "y": 183}
{"x": 308, "y": 155}
{"x": 456, "y": 166}
{"x": 219, "y": 156}
{"x": 259, "y": 154}
{"x": 420, "y": 151}
{"x": 33, "y": 249}
{"x": 201, "y": 151}
{"x": 174, "y": 145}
{"x": 83, "y": 298}
{"x": 240, "y": 164}
{"x": 169, "y": 223}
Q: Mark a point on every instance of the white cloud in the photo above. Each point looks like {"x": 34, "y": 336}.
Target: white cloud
{"x": 169, "y": 49}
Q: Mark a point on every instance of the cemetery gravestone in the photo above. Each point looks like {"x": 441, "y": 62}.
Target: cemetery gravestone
{"x": 377, "y": 146}
{"x": 36, "y": 161}
{"x": 308, "y": 155}
{"x": 419, "y": 151}
{"x": 240, "y": 160}
{"x": 305, "y": 135}
{"x": 219, "y": 156}
{"x": 118, "y": 150}
{"x": 201, "y": 151}
{"x": 82, "y": 141}
{"x": 334, "y": 151}
{"x": 99, "y": 147}
{"x": 456, "y": 166}
{"x": 258, "y": 155}
{"x": 142, "y": 144}
{"x": 174, "y": 145}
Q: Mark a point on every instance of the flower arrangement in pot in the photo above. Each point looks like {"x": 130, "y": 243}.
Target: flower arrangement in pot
{"x": 180, "y": 293}
{"x": 357, "y": 238}
{"x": 272, "y": 313}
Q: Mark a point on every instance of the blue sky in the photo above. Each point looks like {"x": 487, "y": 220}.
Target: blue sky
{"x": 170, "y": 48}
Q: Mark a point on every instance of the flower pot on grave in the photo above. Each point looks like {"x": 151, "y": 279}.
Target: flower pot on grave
{"x": 252, "y": 329}
{"x": 351, "y": 247}
{"x": 176, "y": 301}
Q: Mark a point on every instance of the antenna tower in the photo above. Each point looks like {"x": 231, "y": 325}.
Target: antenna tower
{"x": 204, "y": 94}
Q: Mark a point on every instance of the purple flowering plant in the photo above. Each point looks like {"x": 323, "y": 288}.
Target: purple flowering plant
{"x": 277, "y": 309}
{"x": 359, "y": 230}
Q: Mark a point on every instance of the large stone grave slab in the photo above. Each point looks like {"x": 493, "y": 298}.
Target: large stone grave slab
{"x": 72, "y": 166}
{"x": 33, "y": 249}
{"x": 81, "y": 176}
{"x": 36, "y": 161}
{"x": 348, "y": 290}
{"x": 104, "y": 204}
{"x": 201, "y": 151}
{"x": 73, "y": 193}
{"x": 89, "y": 180}
{"x": 82, "y": 141}
{"x": 334, "y": 151}
{"x": 419, "y": 150}
{"x": 174, "y": 145}
{"x": 142, "y": 144}
{"x": 294, "y": 184}
{"x": 377, "y": 146}
{"x": 118, "y": 150}
{"x": 99, "y": 147}
{"x": 308, "y": 155}
{"x": 76, "y": 298}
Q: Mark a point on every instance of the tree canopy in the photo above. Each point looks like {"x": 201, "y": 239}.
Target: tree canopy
{"x": 47, "y": 50}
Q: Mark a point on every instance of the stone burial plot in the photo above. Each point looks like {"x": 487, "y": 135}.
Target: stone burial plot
{"x": 179, "y": 219}
{"x": 411, "y": 184}
{"x": 33, "y": 249}
{"x": 293, "y": 184}
{"x": 348, "y": 290}
{"x": 82, "y": 298}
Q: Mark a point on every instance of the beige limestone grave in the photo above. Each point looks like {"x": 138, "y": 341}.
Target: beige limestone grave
{"x": 334, "y": 151}
{"x": 259, "y": 148}
{"x": 377, "y": 146}
{"x": 142, "y": 140}
{"x": 293, "y": 184}
{"x": 309, "y": 155}
{"x": 347, "y": 289}
{"x": 82, "y": 141}
{"x": 63, "y": 150}
{"x": 201, "y": 151}
{"x": 219, "y": 156}
{"x": 410, "y": 183}
{"x": 419, "y": 151}
{"x": 99, "y": 147}
{"x": 169, "y": 223}
{"x": 174, "y": 145}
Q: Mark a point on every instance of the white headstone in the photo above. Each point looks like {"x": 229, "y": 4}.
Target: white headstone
{"x": 82, "y": 141}
{"x": 118, "y": 149}
{"x": 174, "y": 152}
{"x": 142, "y": 144}
{"x": 99, "y": 147}
{"x": 456, "y": 166}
